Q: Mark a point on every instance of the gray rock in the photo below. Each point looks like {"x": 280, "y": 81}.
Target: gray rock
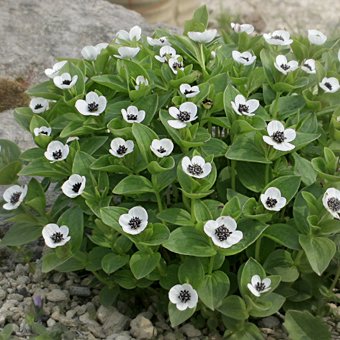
{"x": 51, "y": 322}
{"x": 142, "y": 328}
{"x": 112, "y": 320}
{"x": 269, "y": 322}
{"x": 17, "y": 297}
{"x": 58, "y": 277}
{"x": 190, "y": 331}
{"x": 80, "y": 291}
{"x": 57, "y": 295}
{"x": 2, "y": 294}
{"x": 120, "y": 336}
{"x": 93, "y": 326}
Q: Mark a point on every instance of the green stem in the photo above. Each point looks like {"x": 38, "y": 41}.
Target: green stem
{"x": 257, "y": 249}
{"x": 186, "y": 202}
{"x": 202, "y": 59}
{"x": 233, "y": 175}
{"x": 336, "y": 279}
{"x": 192, "y": 210}
{"x": 159, "y": 201}
{"x": 211, "y": 264}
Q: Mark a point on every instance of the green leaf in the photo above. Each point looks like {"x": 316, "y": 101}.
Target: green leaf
{"x": 304, "y": 169}
{"x": 154, "y": 235}
{"x": 234, "y": 307}
{"x": 81, "y": 164}
{"x": 290, "y": 105}
{"x": 266, "y": 305}
{"x": 144, "y": 137}
{"x": 251, "y": 175}
{"x": 189, "y": 241}
{"x": 201, "y": 211}
{"x": 319, "y": 251}
{"x": 110, "y": 216}
{"x": 284, "y": 234}
{"x": 36, "y": 196}
{"x": 51, "y": 261}
{"x": 214, "y": 146}
{"x": 303, "y": 325}
{"x": 176, "y": 316}
{"x": 232, "y": 208}
{"x": 125, "y": 279}
{"x": 191, "y": 271}
{"x": 21, "y": 233}
{"x": 42, "y": 167}
{"x": 143, "y": 263}
{"x": 133, "y": 185}
{"x": 9, "y": 172}
{"x": 214, "y": 287}
{"x": 199, "y": 21}
{"x": 176, "y": 216}
{"x": 114, "y": 82}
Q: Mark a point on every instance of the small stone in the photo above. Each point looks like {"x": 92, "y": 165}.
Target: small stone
{"x": 17, "y": 297}
{"x": 58, "y": 277}
{"x": 93, "y": 326}
{"x": 70, "y": 313}
{"x": 190, "y": 331}
{"x": 80, "y": 309}
{"x": 170, "y": 336}
{"x": 51, "y": 322}
{"x": 20, "y": 269}
{"x": 80, "y": 291}
{"x": 120, "y": 336}
{"x": 112, "y": 320}
{"x": 142, "y": 328}
{"x": 269, "y": 322}
{"x": 57, "y": 295}
{"x": 2, "y": 294}
{"x": 22, "y": 280}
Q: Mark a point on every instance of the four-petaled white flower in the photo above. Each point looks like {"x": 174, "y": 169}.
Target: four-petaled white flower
{"x": 258, "y": 286}
{"x": 120, "y": 147}
{"x": 38, "y": 105}
{"x": 223, "y": 231}
{"x": 54, "y": 71}
{"x": 279, "y": 37}
{"x": 309, "y": 66}
{"x": 56, "y": 151}
{"x": 141, "y": 80}
{"x": 91, "y": 52}
{"x": 272, "y": 199}
{"x": 65, "y": 81}
{"x": 127, "y": 52}
{"x": 135, "y": 221}
{"x": 189, "y": 91}
{"x": 330, "y": 85}
{"x": 284, "y": 66}
{"x": 133, "y": 115}
{"x": 203, "y": 37}
{"x": 245, "y": 107}
{"x": 165, "y": 53}
{"x": 42, "y": 130}
{"x": 133, "y": 35}
{"x": 162, "y": 41}
{"x": 183, "y": 296}
{"x": 186, "y": 113}
{"x": 13, "y": 196}
{"x": 93, "y": 105}
{"x": 196, "y": 167}
{"x": 176, "y": 64}
{"x": 316, "y": 37}
{"x": 55, "y": 236}
{"x": 162, "y": 147}
{"x": 238, "y": 28}
{"x": 331, "y": 201}
{"x": 244, "y": 58}
{"x": 74, "y": 186}
{"x": 279, "y": 137}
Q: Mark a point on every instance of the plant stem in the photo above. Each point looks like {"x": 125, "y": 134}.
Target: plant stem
{"x": 211, "y": 264}
{"x": 336, "y": 279}
{"x": 159, "y": 201}
{"x": 192, "y": 210}
{"x": 186, "y": 202}
{"x": 258, "y": 249}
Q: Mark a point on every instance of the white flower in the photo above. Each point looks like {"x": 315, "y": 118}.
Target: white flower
{"x": 71, "y": 139}
{"x": 223, "y": 231}
{"x": 162, "y": 147}
{"x": 54, "y": 71}
{"x": 278, "y": 137}
{"x": 133, "y": 35}
{"x": 316, "y": 37}
{"x": 56, "y": 151}
{"x": 330, "y": 85}
{"x": 196, "y": 167}
{"x": 245, "y": 107}
{"x": 183, "y": 296}
{"x": 189, "y": 91}
{"x": 165, "y": 53}
{"x": 203, "y": 37}
{"x": 331, "y": 201}
{"x": 55, "y": 236}
{"x": 74, "y": 186}
{"x": 141, "y": 80}
{"x": 127, "y": 52}
{"x": 133, "y": 115}
{"x": 279, "y": 37}
{"x": 309, "y": 66}
{"x": 258, "y": 286}
{"x": 39, "y": 105}
{"x": 135, "y": 221}
{"x": 176, "y": 64}
{"x": 91, "y": 52}
{"x": 65, "y": 81}
{"x": 163, "y": 41}
{"x": 284, "y": 66}
{"x": 120, "y": 147}
{"x": 244, "y": 58}
{"x": 272, "y": 199}
{"x": 42, "y": 130}
{"x": 249, "y": 29}
{"x": 93, "y": 105}
{"x": 13, "y": 196}
{"x": 186, "y": 113}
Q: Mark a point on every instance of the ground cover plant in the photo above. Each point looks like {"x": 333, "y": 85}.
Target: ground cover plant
{"x": 201, "y": 168}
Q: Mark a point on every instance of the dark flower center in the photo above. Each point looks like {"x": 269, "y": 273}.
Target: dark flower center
{"x": 15, "y": 197}
{"x": 121, "y": 149}
{"x": 43, "y": 133}
{"x": 334, "y": 204}
{"x": 285, "y": 67}
{"x": 271, "y": 202}
{"x": 260, "y": 286}
{"x": 177, "y": 65}
{"x": 183, "y": 116}
{"x": 278, "y": 136}
{"x": 57, "y": 237}
{"x": 207, "y": 103}
{"x": 131, "y": 116}
{"x": 76, "y": 187}
{"x": 184, "y": 296}
{"x": 92, "y": 107}
{"x": 245, "y": 58}
{"x": 222, "y": 233}
{"x": 195, "y": 169}
{"x": 66, "y": 82}
{"x": 308, "y": 66}
{"x": 57, "y": 154}
{"x": 38, "y": 106}
{"x": 161, "y": 149}
{"x": 188, "y": 91}
{"x": 135, "y": 222}
{"x": 328, "y": 85}
{"x": 278, "y": 37}
{"x": 243, "y": 108}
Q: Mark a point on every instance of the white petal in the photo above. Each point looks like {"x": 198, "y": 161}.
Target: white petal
{"x": 255, "y": 280}
{"x": 139, "y": 212}
{"x": 185, "y": 163}
{"x": 228, "y": 222}
{"x": 122, "y": 35}
{"x": 253, "y": 290}
{"x": 236, "y": 55}
{"x": 209, "y": 227}
{"x": 267, "y": 282}
{"x": 176, "y": 124}
{"x": 274, "y": 126}
{"x": 269, "y": 140}
{"x": 290, "y": 134}
{"x": 174, "y": 292}
{"x": 316, "y": 37}
{"x": 135, "y": 33}
{"x": 235, "y": 237}
{"x": 101, "y": 104}
{"x": 293, "y": 64}
{"x": 273, "y": 192}
{"x": 82, "y": 107}
{"x": 253, "y": 105}
{"x": 188, "y": 107}
{"x": 284, "y": 146}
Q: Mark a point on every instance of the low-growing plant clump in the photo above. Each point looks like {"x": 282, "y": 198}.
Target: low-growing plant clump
{"x": 201, "y": 167}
